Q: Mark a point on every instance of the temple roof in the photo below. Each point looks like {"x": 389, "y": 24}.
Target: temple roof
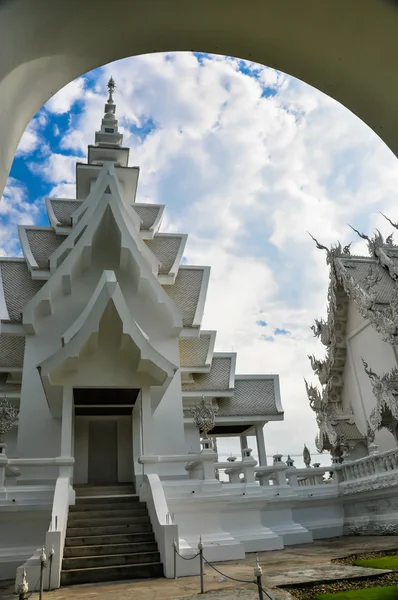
{"x": 42, "y": 242}
{"x": 197, "y": 352}
{"x": 63, "y": 209}
{"x": 18, "y": 287}
{"x": 167, "y": 248}
{"x": 220, "y": 377}
{"x": 190, "y": 284}
{"x": 359, "y": 269}
{"x": 252, "y": 397}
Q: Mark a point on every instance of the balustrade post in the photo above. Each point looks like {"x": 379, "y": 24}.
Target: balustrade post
{"x": 248, "y": 464}
{"x": 3, "y": 464}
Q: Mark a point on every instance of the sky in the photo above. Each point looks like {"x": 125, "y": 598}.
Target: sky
{"x": 247, "y": 160}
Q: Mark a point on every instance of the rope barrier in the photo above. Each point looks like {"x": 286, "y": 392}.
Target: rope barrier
{"x": 228, "y": 576}
{"x": 184, "y": 557}
{"x": 257, "y": 581}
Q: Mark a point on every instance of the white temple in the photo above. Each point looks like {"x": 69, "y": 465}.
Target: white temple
{"x": 110, "y": 380}
{"x": 357, "y": 406}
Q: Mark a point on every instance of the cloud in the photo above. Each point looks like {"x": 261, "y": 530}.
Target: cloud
{"x": 15, "y": 209}
{"x": 247, "y": 160}
{"x": 63, "y": 100}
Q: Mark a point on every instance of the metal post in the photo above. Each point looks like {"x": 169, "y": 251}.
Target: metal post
{"x": 52, "y": 552}
{"x": 200, "y": 548}
{"x": 257, "y": 574}
{"x": 23, "y": 587}
{"x": 175, "y": 558}
{"x": 43, "y": 559}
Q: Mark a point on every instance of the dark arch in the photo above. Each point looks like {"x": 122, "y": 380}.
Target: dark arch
{"x": 347, "y": 49}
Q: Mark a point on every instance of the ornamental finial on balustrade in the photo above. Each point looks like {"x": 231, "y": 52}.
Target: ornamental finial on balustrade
{"x": 306, "y": 456}
{"x": 204, "y": 415}
{"x": 8, "y": 417}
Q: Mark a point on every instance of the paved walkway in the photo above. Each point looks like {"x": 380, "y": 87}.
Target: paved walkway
{"x": 295, "y": 564}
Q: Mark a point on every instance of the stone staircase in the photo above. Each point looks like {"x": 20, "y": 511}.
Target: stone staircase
{"x": 109, "y": 537}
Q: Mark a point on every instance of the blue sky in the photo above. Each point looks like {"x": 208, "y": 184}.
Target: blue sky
{"x": 247, "y": 160}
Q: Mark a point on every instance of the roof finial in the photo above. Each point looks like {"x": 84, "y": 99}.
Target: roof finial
{"x": 111, "y": 88}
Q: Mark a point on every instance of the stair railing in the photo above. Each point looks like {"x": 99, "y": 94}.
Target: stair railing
{"x": 64, "y": 496}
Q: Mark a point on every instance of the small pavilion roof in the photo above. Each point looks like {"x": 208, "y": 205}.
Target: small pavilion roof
{"x": 254, "y": 396}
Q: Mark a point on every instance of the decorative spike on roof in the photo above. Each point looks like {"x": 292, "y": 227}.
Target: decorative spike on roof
{"x": 109, "y": 132}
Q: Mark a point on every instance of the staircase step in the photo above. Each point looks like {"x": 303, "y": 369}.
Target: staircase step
{"x": 104, "y": 490}
{"x": 89, "y": 515}
{"x": 106, "y": 499}
{"x": 108, "y": 521}
{"x": 107, "y": 549}
{"x": 120, "y": 538}
{"x": 106, "y": 506}
{"x": 120, "y": 572}
{"x": 108, "y": 529}
{"x": 111, "y": 560}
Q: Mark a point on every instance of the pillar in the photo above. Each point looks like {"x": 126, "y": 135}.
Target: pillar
{"x": 243, "y": 442}
{"x": 67, "y": 422}
{"x": 146, "y": 422}
{"x": 262, "y": 456}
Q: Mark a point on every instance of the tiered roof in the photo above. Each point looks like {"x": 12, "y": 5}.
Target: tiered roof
{"x": 371, "y": 283}
{"x": 247, "y": 398}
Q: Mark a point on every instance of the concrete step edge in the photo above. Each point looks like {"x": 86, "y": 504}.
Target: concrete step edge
{"x": 69, "y": 571}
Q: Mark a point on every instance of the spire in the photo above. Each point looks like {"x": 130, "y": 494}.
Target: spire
{"x": 109, "y": 134}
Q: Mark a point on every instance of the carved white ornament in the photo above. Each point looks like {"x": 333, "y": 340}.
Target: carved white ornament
{"x": 204, "y": 415}
{"x": 385, "y": 388}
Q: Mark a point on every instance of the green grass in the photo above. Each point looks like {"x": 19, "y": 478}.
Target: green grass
{"x": 385, "y": 562}
{"x": 377, "y": 593}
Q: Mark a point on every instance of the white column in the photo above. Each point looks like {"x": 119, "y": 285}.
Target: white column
{"x": 146, "y": 417}
{"x": 67, "y": 422}
{"x": 243, "y": 442}
{"x": 262, "y": 456}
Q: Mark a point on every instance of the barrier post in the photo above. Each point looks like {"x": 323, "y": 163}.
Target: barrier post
{"x": 257, "y": 574}
{"x": 23, "y": 586}
{"x": 200, "y": 548}
{"x": 52, "y": 552}
{"x": 43, "y": 559}
{"x": 175, "y": 558}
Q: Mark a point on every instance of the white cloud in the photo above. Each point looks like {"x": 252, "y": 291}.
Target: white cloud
{"x": 64, "y": 99}
{"x": 246, "y": 176}
{"x": 15, "y": 209}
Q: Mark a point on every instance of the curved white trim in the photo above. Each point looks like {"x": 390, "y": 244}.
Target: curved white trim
{"x": 210, "y": 352}
{"x": 176, "y": 264}
{"x": 51, "y": 214}
{"x": 27, "y": 252}
{"x": 4, "y": 314}
{"x": 200, "y": 307}
{"x": 156, "y": 224}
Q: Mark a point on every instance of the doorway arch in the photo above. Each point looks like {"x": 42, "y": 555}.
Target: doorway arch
{"x": 346, "y": 49}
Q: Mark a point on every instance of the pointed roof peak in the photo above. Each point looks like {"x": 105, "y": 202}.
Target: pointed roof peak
{"x": 111, "y": 88}
{"x": 109, "y": 132}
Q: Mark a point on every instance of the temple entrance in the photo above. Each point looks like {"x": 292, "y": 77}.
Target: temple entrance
{"x": 103, "y": 435}
{"x": 102, "y": 452}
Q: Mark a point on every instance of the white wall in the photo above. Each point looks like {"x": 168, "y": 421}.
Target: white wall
{"x": 364, "y": 342}
{"x": 192, "y": 438}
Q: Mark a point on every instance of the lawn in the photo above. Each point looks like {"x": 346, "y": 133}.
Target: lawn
{"x": 377, "y": 593}
{"x": 384, "y": 562}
